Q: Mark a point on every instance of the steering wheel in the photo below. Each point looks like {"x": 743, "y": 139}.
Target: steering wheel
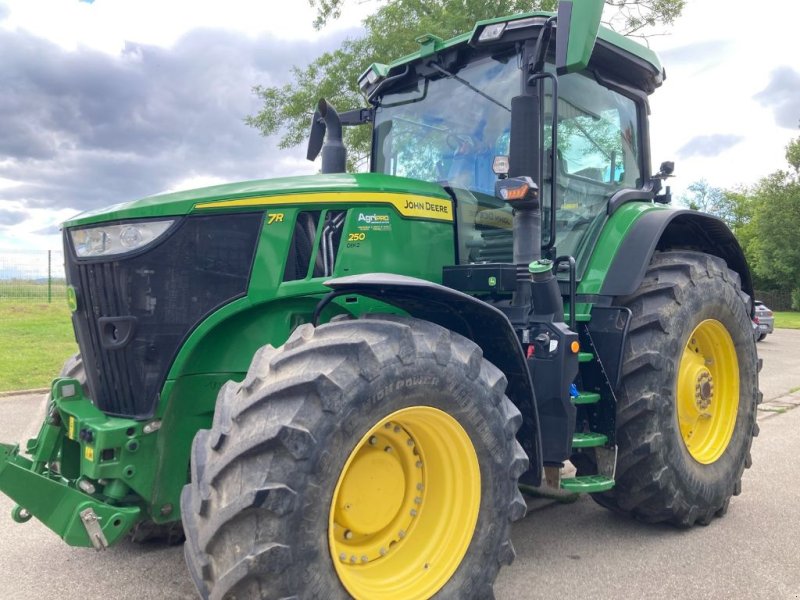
{"x": 461, "y": 144}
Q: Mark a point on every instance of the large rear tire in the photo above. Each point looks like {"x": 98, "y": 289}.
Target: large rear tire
{"x": 686, "y": 413}
{"x": 373, "y": 458}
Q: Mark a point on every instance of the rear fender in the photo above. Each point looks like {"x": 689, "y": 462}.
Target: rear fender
{"x": 672, "y": 229}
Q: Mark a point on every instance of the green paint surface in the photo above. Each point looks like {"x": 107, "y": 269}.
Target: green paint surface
{"x": 614, "y": 232}
{"x": 182, "y": 203}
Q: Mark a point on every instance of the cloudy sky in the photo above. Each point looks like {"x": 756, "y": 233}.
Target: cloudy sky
{"x": 117, "y": 99}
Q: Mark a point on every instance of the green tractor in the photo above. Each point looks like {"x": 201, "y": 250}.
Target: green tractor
{"x": 336, "y": 385}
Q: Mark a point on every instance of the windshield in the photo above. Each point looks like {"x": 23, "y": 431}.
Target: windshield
{"x": 449, "y": 129}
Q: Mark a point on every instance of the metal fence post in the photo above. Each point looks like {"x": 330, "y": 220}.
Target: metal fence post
{"x": 49, "y": 277}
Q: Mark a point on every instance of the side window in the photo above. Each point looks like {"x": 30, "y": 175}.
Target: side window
{"x": 592, "y": 147}
{"x": 598, "y": 133}
{"x": 598, "y": 153}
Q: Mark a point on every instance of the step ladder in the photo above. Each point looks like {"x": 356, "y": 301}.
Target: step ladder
{"x": 587, "y": 484}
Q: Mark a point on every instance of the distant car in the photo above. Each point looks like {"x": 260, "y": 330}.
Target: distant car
{"x": 764, "y": 319}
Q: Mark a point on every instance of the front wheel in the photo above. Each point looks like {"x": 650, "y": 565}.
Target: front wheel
{"x": 372, "y": 458}
{"x": 686, "y": 412}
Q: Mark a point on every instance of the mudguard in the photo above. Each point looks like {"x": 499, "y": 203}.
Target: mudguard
{"x": 476, "y": 320}
{"x": 667, "y": 229}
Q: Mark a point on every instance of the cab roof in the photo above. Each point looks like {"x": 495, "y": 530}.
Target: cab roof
{"x": 621, "y": 57}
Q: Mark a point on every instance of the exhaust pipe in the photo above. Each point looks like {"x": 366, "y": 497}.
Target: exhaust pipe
{"x": 334, "y": 154}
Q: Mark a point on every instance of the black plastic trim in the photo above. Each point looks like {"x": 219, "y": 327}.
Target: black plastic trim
{"x": 672, "y": 229}
{"x": 626, "y": 195}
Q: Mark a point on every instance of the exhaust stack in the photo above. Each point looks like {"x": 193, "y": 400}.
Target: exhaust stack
{"x": 327, "y": 126}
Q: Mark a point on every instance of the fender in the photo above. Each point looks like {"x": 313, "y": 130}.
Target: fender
{"x": 474, "y": 319}
{"x": 668, "y": 229}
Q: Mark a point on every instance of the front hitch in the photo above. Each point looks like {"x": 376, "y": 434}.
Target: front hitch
{"x": 52, "y": 486}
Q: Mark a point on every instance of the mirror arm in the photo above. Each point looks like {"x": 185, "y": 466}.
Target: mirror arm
{"x": 536, "y": 64}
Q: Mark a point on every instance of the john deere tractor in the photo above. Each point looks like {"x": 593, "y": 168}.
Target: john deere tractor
{"x": 337, "y": 385}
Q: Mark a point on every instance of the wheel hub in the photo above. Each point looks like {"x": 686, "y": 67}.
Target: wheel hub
{"x": 405, "y": 506}
{"x": 379, "y": 496}
{"x": 708, "y": 391}
{"x": 704, "y": 390}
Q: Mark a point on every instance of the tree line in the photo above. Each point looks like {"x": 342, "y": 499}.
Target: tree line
{"x": 390, "y": 31}
{"x": 765, "y": 217}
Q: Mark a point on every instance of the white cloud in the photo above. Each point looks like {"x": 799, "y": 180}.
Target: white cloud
{"x": 719, "y": 55}
{"x": 108, "y": 24}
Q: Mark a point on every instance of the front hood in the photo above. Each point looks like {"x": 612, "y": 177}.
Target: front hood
{"x": 185, "y": 202}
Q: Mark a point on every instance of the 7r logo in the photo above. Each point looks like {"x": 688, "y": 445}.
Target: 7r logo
{"x": 274, "y": 218}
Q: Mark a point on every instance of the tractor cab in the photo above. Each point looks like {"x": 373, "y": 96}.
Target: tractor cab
{"x": 444, "y": 115}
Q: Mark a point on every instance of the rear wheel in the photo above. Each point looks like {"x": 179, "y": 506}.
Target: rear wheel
{"x": 373, "y": 458}
{"x": 686, "y": 412}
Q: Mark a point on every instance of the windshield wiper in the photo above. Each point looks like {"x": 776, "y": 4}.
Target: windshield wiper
{"x": 468, "y": 84}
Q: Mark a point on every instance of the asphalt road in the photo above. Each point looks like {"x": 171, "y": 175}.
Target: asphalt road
{"x": 563, "y": 550}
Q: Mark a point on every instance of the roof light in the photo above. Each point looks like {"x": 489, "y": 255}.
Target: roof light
{"x": 492, "y": 32}
{"x": 371, "y": 76}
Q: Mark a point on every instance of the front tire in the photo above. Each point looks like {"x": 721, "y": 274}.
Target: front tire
{"x": 686, "y": 413}
{"x": 373, "y": 458}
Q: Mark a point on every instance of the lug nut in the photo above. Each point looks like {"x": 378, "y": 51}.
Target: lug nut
{"x": 348, "y": 535}
{"x": 373, "y": 440}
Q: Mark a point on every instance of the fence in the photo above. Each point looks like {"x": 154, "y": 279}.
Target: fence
{"x": 32, "y": 276}
{"x": 775, "y": 299}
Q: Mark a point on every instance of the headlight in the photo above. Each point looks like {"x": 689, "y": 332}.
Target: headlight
{"x": 106, "y": 240}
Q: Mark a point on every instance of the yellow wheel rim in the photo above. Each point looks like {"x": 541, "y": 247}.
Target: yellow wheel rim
{"x": 708, "y": 391}
{"x": 405, "y": 506}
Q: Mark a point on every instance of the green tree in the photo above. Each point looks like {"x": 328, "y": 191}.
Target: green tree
{"x": 390, "y": 32}
{"x": 793, "y": 155}
{"x": 772, "y": 238}
{"x": 702, "y": 196}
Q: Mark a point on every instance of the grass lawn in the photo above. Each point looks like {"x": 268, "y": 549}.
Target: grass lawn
{"x": 35, "y": 340}
{"x": 787, "y": 320}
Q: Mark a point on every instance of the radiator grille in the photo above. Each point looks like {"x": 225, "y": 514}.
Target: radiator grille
{"x": 160, "y": 295}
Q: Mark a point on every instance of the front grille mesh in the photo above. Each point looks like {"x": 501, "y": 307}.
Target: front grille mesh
{"x": 164, "y": 292}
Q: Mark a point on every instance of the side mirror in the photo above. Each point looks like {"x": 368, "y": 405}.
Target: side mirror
{"x": 576, "y": 32}
{"x": 666, "y": 169}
